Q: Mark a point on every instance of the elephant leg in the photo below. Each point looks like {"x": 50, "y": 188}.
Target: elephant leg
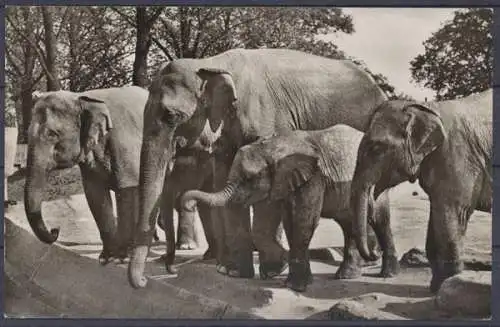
{"x": 238, "y": 259}
{"x": 166, "y": 217}
{"x": 217, "y": 217}
{"x": 266, "y": 234}
{"x": 382, "y": 228}
{"x": 430, "y": 250}
{"x": 127, "y": 205}
{"x": 185, "y": 229}
{"x": 205, "y": 216}
{"x": 231, "y": 230}
{"x": 305, "y": 209}
{"x": 350, "y": 267}
{"x": 449, "y": 222}
{"x": 101, "y": 207}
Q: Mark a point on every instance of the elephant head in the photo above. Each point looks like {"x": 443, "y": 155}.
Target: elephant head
{"x": 400, "y": 136}
{"x": 193, "y": 105}
{"x": 55, "y": 141}
{"x": 269, "y": 169}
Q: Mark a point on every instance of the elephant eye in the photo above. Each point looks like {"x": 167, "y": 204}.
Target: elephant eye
{"x": 378, "y": 146}
{"x": 172, "y": 117}
{"x": 52, "y": 135}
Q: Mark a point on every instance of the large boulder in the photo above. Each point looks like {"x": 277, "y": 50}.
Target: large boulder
{"x": 353, "y": 310}
{"x": 467, "y": 294}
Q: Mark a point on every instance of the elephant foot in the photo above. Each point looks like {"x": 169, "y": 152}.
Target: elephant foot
{"x": 348, "y": 271}
{"x": 8, "y": 203}
{"x": 105, "y": 257}
{"x": 390, "y": 267}
{"x": 299, "y": 276}
{"x": 171, "y": 270}
{"x": 189, "y": 245}
{"x": 209, "y": 254}
{"x": 121, "y": 260}
{"x": 156, "y": 237}
{"x": 235, "y": 272}
{"x": 221, "y": 269}
{"x": 269, "y": 270}
{"x": 122, "y": 254}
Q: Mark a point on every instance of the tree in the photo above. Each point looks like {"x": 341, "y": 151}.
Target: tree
{"x": 458, "y": 57}
{"x": 143, "y": 43}
{"x": 74, "y": 48}
{"x": 50, "y": 41}
{"x": 94, "y": 48}
{"x": 198, "y": 32}
{"x": 22, "y": 70}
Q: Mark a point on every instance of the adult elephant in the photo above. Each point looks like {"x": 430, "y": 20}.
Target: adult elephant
{"x": 269, "y": 91}
{"x": 446, "y": 145}
{"x": 101, "y": 131}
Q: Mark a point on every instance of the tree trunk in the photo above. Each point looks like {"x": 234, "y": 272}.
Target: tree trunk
{"x": 142, "y": 45}
{"x": 51, "y": 48}
{"x": 73, "y": 50}
{"x": 29, "y": 65}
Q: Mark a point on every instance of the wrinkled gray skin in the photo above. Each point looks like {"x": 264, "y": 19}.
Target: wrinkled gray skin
{"x": 258, "y": 93}
{"x": 192, "y": 169}
{"x": 101, "y": 131}
{"x": 310, "y": 173}
{"x": 446, "y": 145}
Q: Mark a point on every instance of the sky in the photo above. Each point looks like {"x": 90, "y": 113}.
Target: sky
{"x": 387, "y": 39}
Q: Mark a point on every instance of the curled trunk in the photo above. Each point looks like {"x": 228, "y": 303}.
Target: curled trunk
{"x": 189, "y": 199}
{"x": 33, "y": 190}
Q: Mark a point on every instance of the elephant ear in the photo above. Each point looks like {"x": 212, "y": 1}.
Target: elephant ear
{"x": 424, "y": 132}
{"x": 95, "y": 122}
{"x": 219, "y": 92}
{"x": 290, "y": 173}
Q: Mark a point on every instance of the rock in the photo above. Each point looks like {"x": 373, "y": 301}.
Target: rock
{"x": 483, "y": 265}
{"x": 352, "y": 310}
{"x": 417, "y": 258}
{"x": 414, "y": 258}
{"x": 466, "y": 294}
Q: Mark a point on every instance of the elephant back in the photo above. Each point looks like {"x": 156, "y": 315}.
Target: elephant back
{"x": 338, "y": 147}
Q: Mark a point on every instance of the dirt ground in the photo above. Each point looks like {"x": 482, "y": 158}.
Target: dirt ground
{"x": 406, "y": 295}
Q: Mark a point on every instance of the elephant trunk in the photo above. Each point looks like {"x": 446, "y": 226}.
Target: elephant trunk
{"x": 361, "y": 204}
{"x": 33, "y": 190}
{"x": 190, "y": 198}
{"x": 153, "y": 164}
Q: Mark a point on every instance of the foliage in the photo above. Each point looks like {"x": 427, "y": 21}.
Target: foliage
{"x": 458, "y": 57}
{"x": 198, "y": 32}
{"x": 81, "y": 48}
{"x": 9, "y": 111}
{"x": 92, "y": 50}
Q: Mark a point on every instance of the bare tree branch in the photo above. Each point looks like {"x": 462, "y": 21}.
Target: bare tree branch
{"x": 155, "y": 40}
{"x": 35, "y": 46}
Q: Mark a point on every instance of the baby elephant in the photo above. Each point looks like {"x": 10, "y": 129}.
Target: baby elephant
{"x": 310, "y": 172}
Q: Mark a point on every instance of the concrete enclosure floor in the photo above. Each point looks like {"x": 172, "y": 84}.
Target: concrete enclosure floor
{"x": 65, "y": 279}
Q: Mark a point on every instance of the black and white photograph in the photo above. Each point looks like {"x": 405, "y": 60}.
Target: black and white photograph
{"x": 278, "y": 163}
